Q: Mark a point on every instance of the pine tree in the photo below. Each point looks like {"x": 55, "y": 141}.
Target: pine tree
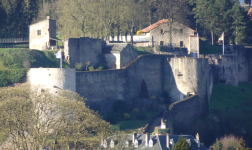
{"x": 217, "y": 145}
{"x": 181, "y": 144}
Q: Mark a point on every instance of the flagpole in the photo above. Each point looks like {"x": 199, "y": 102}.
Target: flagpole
{"x": 60, "y": 59}
{"x": 197, "y": 45}
{"x": 223, "y": 45}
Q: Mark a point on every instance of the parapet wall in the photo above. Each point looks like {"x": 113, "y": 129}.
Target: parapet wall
{"x": 53, "y": 78}
{"x": 101, "y": 88}
{"x": 183, "y": 113}
{"x": 82, "y": 50}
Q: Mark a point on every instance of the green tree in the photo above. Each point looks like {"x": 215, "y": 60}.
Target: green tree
{"x": 181, "y": 144}
{"x": 217, "y": 145}
{"x": 34, "y": 115}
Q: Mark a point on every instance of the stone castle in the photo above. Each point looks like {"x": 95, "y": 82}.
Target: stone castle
{"x": 188, "y": 80}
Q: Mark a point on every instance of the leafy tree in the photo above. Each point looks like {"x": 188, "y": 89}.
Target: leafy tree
{"x": 32, "y": 116}
{"x": 181, "y": 144}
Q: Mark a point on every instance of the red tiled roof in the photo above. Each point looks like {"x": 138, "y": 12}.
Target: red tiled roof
{"x": 154, "y": 25}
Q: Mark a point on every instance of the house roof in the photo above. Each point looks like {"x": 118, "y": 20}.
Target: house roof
{"x": 159, "y": 142}
{"x": 156, "y": 24}
{"x": 114, "y": 48}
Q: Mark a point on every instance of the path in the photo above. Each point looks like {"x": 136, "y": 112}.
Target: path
{"x": 155, "y": 125}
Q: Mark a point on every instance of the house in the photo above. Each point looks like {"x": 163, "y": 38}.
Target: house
{"x": 151, "y": 142}
{"x": 182, "y": 36}
{"x": 42, "y": 35}
{"x": 118, "y": 55}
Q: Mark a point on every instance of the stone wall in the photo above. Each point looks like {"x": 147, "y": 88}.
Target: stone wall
{"x": 47, "y": 29}
{"x": 53, "y": 78}
{"x": 182, "y": 113}
{"x": 127, "y": 55}
{"x": 180, "y": 32}
{"x": 82, "y": 50}
{"x": 171, "y": 51}
{"x": 101, "y": 88}
{"x": 193, "y": 46}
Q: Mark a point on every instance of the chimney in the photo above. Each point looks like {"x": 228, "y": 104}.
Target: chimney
{"x": 133, "y": 138}
{"x": 146, "y": 139}
{"x": 167, "y": 140}
{"x": 197, "y": 139}
{"x": 48, "y": 17}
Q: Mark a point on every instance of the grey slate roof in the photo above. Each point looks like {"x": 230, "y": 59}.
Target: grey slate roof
{"x": 159, "y": 142}
{"x": 113, "y": 48}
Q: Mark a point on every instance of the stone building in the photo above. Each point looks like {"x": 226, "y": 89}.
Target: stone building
{"x": 41, "y": 34}
{"x": 97, "y": 52}
{"x": 182, "y": 36}
{"x": 151, "y": 142}
{"x": 118, "y": 55}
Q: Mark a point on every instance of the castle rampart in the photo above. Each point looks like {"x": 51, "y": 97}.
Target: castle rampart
{"x": 53, "y": 78}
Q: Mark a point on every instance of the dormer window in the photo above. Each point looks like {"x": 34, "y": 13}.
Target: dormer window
{"x": 38, "y": 32}
{"x": 112, "y": 144}
{"x": 126, "y": 143}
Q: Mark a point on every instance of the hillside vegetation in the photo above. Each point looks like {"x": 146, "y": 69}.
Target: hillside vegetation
{"x": 230, "y": 113}
{"x": 15, "y": 62}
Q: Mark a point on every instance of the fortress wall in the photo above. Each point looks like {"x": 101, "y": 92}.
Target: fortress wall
{"x": 191, "y": 76}
{"x": 225, "y": 68}
{"x": 242, "y": 63}
{"x": 83, "y": 50}
{"x": 101, "y": 88}
{"x": 249, "y": 57}
{"x": 53, "y": 78}
{"x": 90, "y": 50}
{"x": 127, "y": 55}
{"x": 72, "y": 51}
{"x": 184, "y": 112}
{"x": 148, "y": 68}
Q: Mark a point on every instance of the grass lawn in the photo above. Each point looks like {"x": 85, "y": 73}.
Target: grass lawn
{"x": 134, "y": 123}
{"x": 13, "y": 45}
{"x": 141, "y": 51}
{"x": 206, "y": 48}
{"x": 15, "y": 61}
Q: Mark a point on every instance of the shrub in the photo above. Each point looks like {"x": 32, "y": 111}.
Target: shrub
{"x": 135, "y": 110}
{"x": 79, "y": 66}
{"x": 101, "y": 67}
{"x": 126, "y": 116}
{"x": 91, "y": 68}
{"x": 153, "y": 97}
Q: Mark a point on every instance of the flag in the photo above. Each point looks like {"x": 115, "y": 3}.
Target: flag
{"x": 221, "y": 38}
{"x": 58, "y": 54}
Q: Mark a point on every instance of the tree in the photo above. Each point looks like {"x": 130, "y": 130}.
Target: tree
{"x": 34, "y": 115}
{"x": 181, "y": 144}
{"x": 217, "y": 145}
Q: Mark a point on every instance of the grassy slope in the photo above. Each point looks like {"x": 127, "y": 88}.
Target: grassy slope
{"x": 230, "y": 113}
{"x": 135, "y": 124}
{"x": 13, "y": 63}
